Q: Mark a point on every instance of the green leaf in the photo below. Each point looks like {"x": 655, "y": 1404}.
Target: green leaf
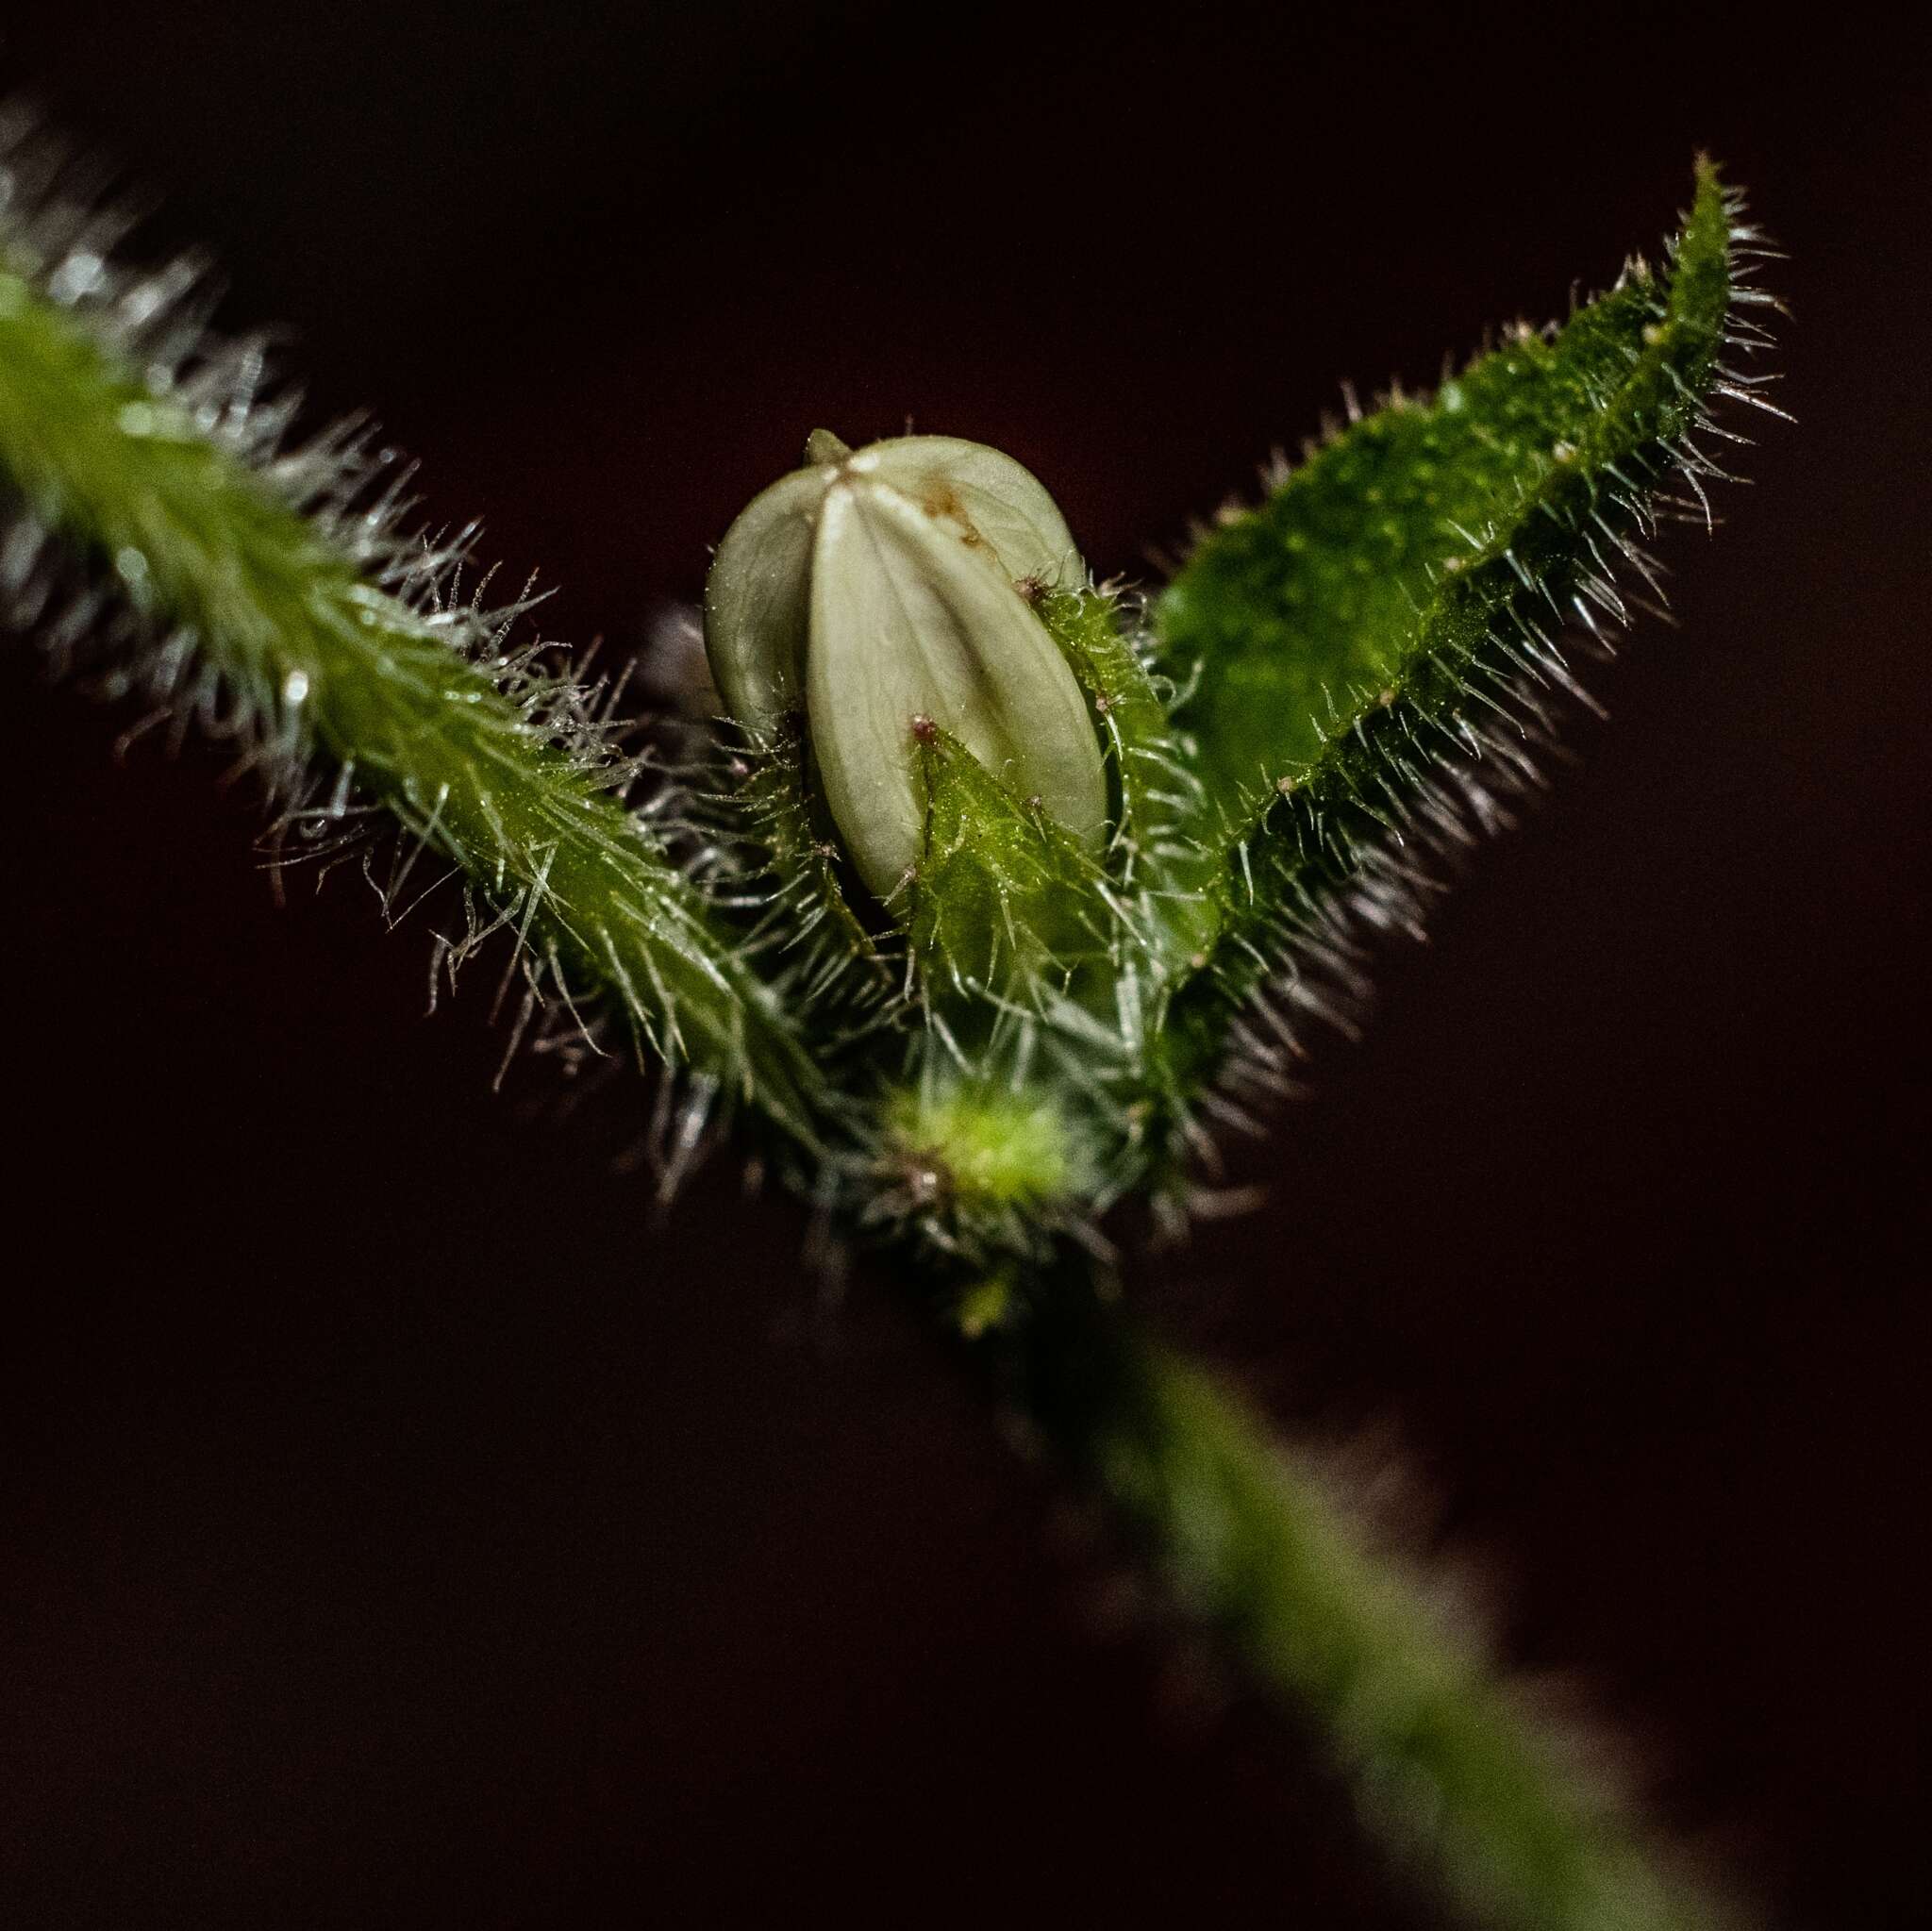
{"x": 1379, "y": 646}
{"x": 363, "y": 659}
{"x": 1392, "y": 548}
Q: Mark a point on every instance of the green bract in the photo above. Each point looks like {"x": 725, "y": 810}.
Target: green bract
{"x": 888, "y": 594}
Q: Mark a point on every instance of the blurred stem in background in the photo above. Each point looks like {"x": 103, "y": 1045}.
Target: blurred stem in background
{"x": 1254, "y": 1543}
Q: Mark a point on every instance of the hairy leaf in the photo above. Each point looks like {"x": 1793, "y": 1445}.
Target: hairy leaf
{"x": 414, "y": 700}
{"x": 1300, "y": 614}
{"x": 1381, "y": 644}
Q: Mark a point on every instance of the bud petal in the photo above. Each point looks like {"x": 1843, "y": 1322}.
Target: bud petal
{"x": 879, "y": 588}
{"x": 908, "y": 621}
{"x": 982, "y": 496}
{"x": 757, "y": 600}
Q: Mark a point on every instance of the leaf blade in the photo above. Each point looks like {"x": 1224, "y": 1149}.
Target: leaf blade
{"x": 324, "y": 652}
{"x": 1434, "y": 728}
{"x": 1297, "y": 610}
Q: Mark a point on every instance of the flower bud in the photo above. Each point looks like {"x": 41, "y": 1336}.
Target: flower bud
{"x": 881, "y": 592}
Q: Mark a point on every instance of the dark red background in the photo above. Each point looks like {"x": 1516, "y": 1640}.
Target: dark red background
{"x": 402, "y": 1527}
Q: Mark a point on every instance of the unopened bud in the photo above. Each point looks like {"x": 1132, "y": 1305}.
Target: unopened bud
{"x": 890, "y": 588}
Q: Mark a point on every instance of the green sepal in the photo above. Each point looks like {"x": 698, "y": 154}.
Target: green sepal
{"x": 981, "y": 1169}
{"x": 1152, "y": 787}
{"x": 807, "y": 900}
{"x": 1157, "y": 800}
{"x": 1005, "y": 905}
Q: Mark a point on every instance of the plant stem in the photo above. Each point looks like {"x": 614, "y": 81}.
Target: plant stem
{"x": 1446, "y": 1767}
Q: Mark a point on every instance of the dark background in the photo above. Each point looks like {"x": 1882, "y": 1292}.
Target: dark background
{"x": 401, "y": 1525}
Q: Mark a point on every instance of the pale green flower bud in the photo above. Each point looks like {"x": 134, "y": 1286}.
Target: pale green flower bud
{"x": 885, "y": 593}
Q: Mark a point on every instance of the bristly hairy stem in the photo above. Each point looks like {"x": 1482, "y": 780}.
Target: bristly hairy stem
{"x": 1450, "y": 1771}
{"x": 315, "y": 655}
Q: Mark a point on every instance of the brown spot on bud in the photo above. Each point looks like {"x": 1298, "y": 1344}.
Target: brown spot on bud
{"x": 924, "y": 728}
{"x": 942, "y": 499}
